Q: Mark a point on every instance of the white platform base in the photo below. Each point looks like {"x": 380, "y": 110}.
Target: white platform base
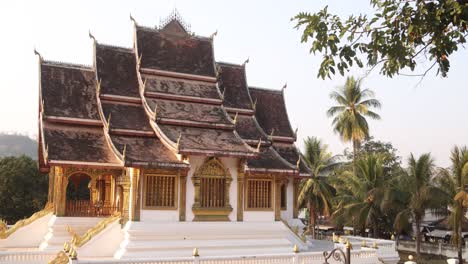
{"x": 164, "y": 240}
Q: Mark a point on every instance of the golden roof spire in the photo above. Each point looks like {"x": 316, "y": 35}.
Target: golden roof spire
{"x": 91, "y": 36}
{"x": 178, "y": 141}
{"x": 214, "y": 34}
{"x": 133, "y": 20}
{"x": 124, "y": 152}
{"x": 246, "y": 61}
{"x": 259, "y": 144}
{"x": 155, "y": 112}
{"x": 38, "y": 54}
{"x": 235, "y": 118}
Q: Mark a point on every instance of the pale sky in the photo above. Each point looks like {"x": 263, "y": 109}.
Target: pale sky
{"x": 431, "y": 117}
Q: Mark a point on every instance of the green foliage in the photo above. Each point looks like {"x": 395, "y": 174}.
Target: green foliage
{"x": 421, "y": 194}
{"x": 397, "y": 36}
{"x": 454, "y": 181}
{"x": 353, "y": 106}
{"x": 316, "y": 193}
{"x": 23, "y": 190}
{"x": 391, "y": 160}
{"x": 359, "y": 196}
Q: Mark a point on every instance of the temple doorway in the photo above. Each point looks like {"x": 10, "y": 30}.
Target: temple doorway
{"x": 78, "y": 195}
{"x": 89, "y": 197}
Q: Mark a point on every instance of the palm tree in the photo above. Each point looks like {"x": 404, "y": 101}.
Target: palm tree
{"x": 360, "y": 195}
{"x": 349, "y": 116}
{"x": 454, "y": 181}
{"x": 423, "y": 195}
{"x": 316, "y": 193}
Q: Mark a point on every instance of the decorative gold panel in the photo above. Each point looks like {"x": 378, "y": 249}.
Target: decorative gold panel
{"x": 259, "y": 195}
{"x": 160, "y": 192}
{"x": 212, "y": 182}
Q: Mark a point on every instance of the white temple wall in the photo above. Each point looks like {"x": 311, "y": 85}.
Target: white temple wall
{"x": 288, "y": 213}
{"x": 232, "y": 165}
{"x": 259, "y": 216}
{"x": 159, "y": 215}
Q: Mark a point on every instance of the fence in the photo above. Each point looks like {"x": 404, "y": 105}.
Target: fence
{"x": 440, "y": 249}
{"x": 32, "y": 257}
{"x": 85, "y": 208}
{"x": 357, "y": 257}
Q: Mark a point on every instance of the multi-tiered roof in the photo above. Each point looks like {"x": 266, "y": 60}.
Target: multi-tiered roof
{"x": 159, "y": 102}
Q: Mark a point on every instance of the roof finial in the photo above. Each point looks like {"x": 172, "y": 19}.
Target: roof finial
{"x": 246, "y": 61}
{"x": 235, "y": 118}
{"x": 254, "y": 105}
{"x": 214, "y": 34}
{"x": 42, "y": 106}
{"x": 133, "y": 20}
{"x": 284, "y": 86}
{"x": 259, "y": 144}
{"x": 144, "y": 84}
{"x": 46, "y": 154}
{"x": 37, "y": 53}
{"x": 298, "y": 162}
{"x": 98, "y": 87}
{"x": 224, "y": 92}
{"x": 139, "y": 60}
{"x": 91, "y": 36}
{"x": 124, "y": 152}
{"x": 155, "y": 112}
{"x": 108, "y": 122}
{"x": 178, "y": 141}
{"x": 295, "y": 132}
{"x": 272, "y": 133}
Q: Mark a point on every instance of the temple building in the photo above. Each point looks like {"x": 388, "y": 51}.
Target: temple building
{"x": 163, "y": 132}
{"x": 174, "y": 141}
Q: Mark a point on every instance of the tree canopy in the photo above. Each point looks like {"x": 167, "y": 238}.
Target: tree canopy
{"x": 23, "y": 190}
{"x": 398, "y": 35}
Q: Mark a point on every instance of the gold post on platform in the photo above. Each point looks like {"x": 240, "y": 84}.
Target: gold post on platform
{"x": 240, "y": 191}
{"x": 183, "y": 188}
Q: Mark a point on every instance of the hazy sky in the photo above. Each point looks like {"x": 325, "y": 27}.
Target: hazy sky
{"x": 431, "y": 117}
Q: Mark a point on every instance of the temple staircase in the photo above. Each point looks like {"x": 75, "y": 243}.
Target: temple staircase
{"x": 163, "y": 240}
{"x": 58, "y": 232}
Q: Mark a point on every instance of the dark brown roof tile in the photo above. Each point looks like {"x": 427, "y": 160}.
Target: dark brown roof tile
{"x": 175, "y": 52}
{"x": 77, "y": 143}
{"x": 68, "y": 91}
{"x": 126, "y": 116}
{"x": 116, "y": 68}
{"x": 174, "y": 86}
{"x": 234, "y": 86}
{"x": 271, "y": 112}
{"x": 145, "y": 152}
{"x": 189, "y": 111}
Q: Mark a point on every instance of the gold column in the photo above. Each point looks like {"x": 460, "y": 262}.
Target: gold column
{"x": 50, "y": 194}
{"x": 240, "y": 192}
{"x": 135, "y": 197}
{"x": 296, "y": 183}
{"x": 60, "y": 191}
{"x": 108, "y": 191}
{"x": 196, "y": 187}
{"x": 183, "y": 195}
{"x": 125, "y": 202}
{"x": 277, "y": 194}
{"x": 112, "y": 190}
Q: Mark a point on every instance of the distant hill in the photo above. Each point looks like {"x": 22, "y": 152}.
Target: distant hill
{"x": 16, "y": 145}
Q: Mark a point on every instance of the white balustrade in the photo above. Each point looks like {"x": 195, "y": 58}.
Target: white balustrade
{"x": 357, "y": 257}
{"x": 25, "y": 257}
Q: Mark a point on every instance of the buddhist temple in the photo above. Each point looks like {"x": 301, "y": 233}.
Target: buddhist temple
{"x": 160, "y": 148}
